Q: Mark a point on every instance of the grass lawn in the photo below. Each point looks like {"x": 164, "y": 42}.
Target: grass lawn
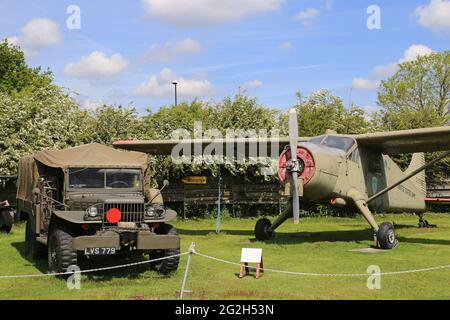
{"x": 319, "y": 245}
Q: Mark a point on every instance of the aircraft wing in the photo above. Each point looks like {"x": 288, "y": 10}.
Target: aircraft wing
{"x": 165, "y": 147}
{"x": 407, "y": 141}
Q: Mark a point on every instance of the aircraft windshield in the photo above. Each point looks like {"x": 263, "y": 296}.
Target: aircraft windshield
{"x": 92, "y": 178}
{"x": 338, "y": 142}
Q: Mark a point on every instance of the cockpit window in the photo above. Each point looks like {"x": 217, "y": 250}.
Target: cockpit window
{"x": 338, "y": 142}
{"x": 317, "y": 140}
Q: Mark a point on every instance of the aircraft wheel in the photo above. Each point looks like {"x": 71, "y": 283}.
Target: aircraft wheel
{"x": 386, "y": 236}
{"x": 261, "y": 229}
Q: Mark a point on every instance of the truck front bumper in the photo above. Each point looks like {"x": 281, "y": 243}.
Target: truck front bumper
{"x": 141, "y": 240}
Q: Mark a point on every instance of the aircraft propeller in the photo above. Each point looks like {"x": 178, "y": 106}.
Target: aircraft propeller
{"x": 294, "y": 165}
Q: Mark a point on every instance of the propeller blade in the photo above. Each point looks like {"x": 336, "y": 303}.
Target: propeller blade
{"x": 295, "y": 199}
{"x": 293, "y": 141}
{"x": 293, "y": 133}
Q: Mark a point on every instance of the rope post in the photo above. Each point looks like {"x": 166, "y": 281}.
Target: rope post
{"x": 219, "y": 178}
{"x": 188, "y": 263}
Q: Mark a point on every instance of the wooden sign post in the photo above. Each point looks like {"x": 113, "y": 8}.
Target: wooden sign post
{"x": 251, "y": 255}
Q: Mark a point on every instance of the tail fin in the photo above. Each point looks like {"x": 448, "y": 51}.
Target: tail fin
{"x": 417, "y": 161}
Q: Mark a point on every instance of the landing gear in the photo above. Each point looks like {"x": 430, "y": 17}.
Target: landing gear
{"x": 386, "y": 237}
{"x": 262, "y": 231}
{"x": 264, "y": 228}
{"x": 424, "y": 223}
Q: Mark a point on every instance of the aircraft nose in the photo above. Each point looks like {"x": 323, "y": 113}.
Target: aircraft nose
{"x": 305, "y": 166}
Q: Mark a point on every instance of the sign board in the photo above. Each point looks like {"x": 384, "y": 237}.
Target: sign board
{"x": 251, "y": 255}
{"x": 194, "y": 180}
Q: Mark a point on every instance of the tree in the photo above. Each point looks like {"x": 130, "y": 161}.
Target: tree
{"x": 243, "y": 112}
{"x": 321, "y": 111}
{"x": 15, "y": 75}
{"x": 416, "y": 96}
{"x": 109, "y": 123}
{"x": 45, "y": 119}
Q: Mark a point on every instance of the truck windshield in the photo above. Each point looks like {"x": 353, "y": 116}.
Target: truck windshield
{"x": 93, "y": 178}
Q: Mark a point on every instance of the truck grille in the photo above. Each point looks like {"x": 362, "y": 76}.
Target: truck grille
{"x": 131, "y": 212}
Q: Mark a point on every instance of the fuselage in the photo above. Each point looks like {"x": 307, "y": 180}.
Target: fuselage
{"x": 334, "y": 168}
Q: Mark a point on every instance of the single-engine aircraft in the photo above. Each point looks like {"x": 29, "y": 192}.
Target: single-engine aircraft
{"x": 343, "y": 171}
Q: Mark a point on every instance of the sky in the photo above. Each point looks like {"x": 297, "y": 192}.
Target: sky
{"x": 130, "y": 52}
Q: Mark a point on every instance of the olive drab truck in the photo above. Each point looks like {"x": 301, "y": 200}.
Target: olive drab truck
{"x": 93, "y": 200}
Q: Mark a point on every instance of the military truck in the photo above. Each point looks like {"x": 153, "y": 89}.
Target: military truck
{"x": 93, "y": 200}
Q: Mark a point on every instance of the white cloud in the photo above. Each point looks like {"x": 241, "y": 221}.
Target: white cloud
{"x": 307, "y": 17}
{"x": 286, "y": 46}
{"x": 36, "y": 35}
{"x": 415, "y": 51}
{"x": 160, "y": 85}
{"x": 364, "y": 84}
{"x": 387, "y": 70}
{"x": 168, "y": 51}
{"x": 435, "y": 15}
{"x": 197, "y": 13}
{"x": 410, "y": 54}
{"x": 252, "y": 84}
{"x": 96, "y": 65}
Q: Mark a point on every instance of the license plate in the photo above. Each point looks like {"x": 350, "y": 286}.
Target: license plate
{"x": 99, "y": 251}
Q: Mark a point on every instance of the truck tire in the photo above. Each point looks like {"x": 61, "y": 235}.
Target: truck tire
{"x": 60, "y": 252}
{"x": 33, "y": 249}
{"x": 169, "y": 265}
{"x": 6, "y": 221}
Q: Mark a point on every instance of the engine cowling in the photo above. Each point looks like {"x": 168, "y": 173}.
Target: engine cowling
{"x": 320, "y": 170}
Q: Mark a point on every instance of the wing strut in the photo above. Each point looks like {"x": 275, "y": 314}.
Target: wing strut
{"x": 409, "y": 176}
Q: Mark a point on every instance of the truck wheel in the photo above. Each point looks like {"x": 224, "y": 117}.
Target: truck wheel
{"x": 169, "y": 265}
{"x": 33, "y": 249}
{"x": 386, "y": 236}
{"x": 6, "y": 221}
{"x": 60, "y": 252}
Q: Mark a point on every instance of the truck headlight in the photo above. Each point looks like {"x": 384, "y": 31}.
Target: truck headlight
{"x": 150, "y": 212}
{"x": 154, "y": 211}
{"x": 92, "y": 212}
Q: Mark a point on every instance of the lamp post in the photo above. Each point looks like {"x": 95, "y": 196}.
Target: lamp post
{"x": 175, "y": 85}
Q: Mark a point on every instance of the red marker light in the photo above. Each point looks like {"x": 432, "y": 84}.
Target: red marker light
{"x": 113, "y": 215}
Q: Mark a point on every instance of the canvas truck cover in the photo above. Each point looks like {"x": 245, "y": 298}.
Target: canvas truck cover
{"x": 93, "y": 155}
{"x": 27, "y": 178}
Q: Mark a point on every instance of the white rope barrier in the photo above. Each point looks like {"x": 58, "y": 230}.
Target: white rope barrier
{"x": 326, "y": 274}
{"x": 193, "y": 251}
{"x": 92, "y": 270}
